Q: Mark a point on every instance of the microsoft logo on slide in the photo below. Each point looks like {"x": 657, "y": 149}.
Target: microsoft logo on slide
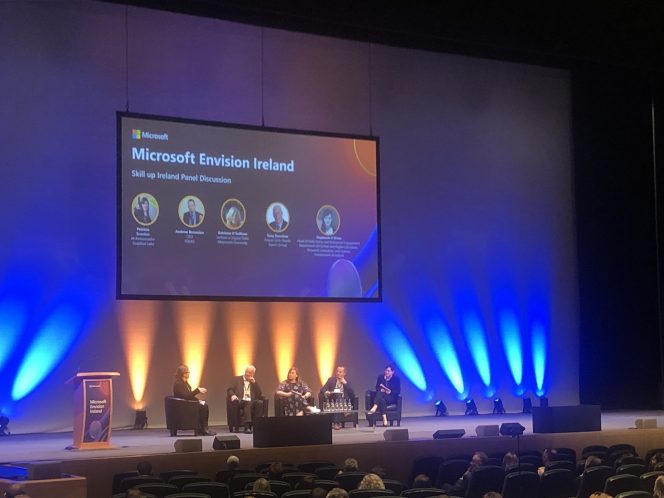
{"x": 148, "y": 135}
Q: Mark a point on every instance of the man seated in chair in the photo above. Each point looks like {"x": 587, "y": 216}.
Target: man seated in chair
{"x": 182, "y": 389}
{"x": 338, "y": 388}
{"x": 247, "y": 395}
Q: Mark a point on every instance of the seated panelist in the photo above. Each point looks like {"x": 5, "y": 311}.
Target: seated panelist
{"x": 246, "y": 392}
{"x": 182, "y": 389}
{"x": 338, "y": 388}
{"x": 388, "y": 387}
{"x": 296, "y": 393}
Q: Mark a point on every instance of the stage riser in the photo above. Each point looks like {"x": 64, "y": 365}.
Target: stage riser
{"x": 387, "y": 454}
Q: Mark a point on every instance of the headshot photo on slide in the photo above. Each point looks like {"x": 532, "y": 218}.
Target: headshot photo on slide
{"x": 145, "y": 209}
{"x": 191, "y": 211}
{"x": 233, "y": 214}
{"x": 277, "y": 217}
{"x": 328, "y": 220}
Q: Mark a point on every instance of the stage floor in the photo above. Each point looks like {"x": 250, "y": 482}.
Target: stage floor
{"x": 52, "y": 446}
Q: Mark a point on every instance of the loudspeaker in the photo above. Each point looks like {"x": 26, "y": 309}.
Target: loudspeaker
{"x": 448, "y": 433}
{"x": 512, "y": 429}
{"x": 188, "y": 445}
{"x": 396, "y": 435}
{"x": 646, "y": 423}
{"x": 226, "y": 443}
{"x": 486, "y": 430}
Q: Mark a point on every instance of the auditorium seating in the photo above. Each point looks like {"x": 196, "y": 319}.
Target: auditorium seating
{"x": 181, "y": 480}
{"x": 449, "y": 471}
{"x": 621, "y": 483}
{"x": 349, "y": 480}
{"x": 312, "y": 466}
{"x": 181, "y": 414}
{"x": 593, "y": 479}
{"x": 521, "y": 485}
{"x": 239, "y": 481}
{"x": 427, "y": 465}
{"x": 326, "y": 484}
{"x": 648, "y": 480}
{"x": 130, "y": 482}
{"x": 368, "y": 493}
{"x": 212, "y": 489}
{"x": 393, "y": 412}
{"x": 485, "y": 479}
{"x": 396, "y": 487}
{"x": 632, "y": 468}
{"x": 159, "y": 489}
{"x": 422, "y": 492}
{"x": 293, "y": 478}
{"x": 166, "y": 475}
{"x": 557, "y": 483}
{"x": 328, "y": 472}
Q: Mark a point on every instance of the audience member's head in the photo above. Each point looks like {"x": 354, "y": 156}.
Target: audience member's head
{"x": 599, "y": 494}
{"x": 549, "y": 455}
{"x": 379, "y": 471}
{"x": 492, "y": 494}
{"x": 275, "y": 471}
{"x": 261, "y": 484}
{"x": 655, "y": 459}
{"x": 15, "y": 490}
{"x": 371, "y": 481}
{"x": 351, "y": 465}
{"x": 233, "y": 462}
{"x": 478, "y": 460}
{"x": 658, "y": 491}
{"x": 134, "y": 493}
{"x": 422, "y": 481}
{"x": 318, "y": 493}
{"x": 592, "y": 461}
{"x": 308, "y": 482}
{"x": 144, "y": 468}
{"x": 510, "y": 460}
{"x": 337, "y": 493}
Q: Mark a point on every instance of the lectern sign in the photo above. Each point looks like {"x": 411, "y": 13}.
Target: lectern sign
{"x": 97, "y": 410}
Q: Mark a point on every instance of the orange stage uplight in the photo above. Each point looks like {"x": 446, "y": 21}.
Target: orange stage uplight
{"x": 194, "y": 324}
{"x": 137, "y": 321}
{"x": 326, "y": 323}
{"x": 284, "y": 330}
{"x": 242, "y": 326}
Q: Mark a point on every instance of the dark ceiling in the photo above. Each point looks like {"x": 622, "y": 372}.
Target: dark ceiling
{"x": 623, "y": 34}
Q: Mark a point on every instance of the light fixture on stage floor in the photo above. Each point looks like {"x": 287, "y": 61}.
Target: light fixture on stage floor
{"x": 498, "y": 408}
{"x": 441, "y": 409}
{"x": 141, "y": 420}
{"x": 471, "y": 407}
{"x": 527, "y": 405}
{"x": 4, "y": 429}
{"x": 544, "y": 401}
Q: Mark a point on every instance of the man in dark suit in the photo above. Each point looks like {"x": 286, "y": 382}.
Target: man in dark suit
{"x": 182, "y": 389}
{"x": 337, "y": 388}
{"x": 192, "y": 217}
{"x": 279, "y": 224}
{"x": 246, "y": 396}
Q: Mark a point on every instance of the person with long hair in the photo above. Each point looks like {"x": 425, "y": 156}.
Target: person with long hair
{"x": 296, "y": 393}
{"x": 328, "y": 226}
{"x": 142, "y": 211}
{"x": 182, "y": 389}
{"x": 388, "y": 387}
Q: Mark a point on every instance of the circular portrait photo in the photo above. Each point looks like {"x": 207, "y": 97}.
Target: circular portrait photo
{"x": 327, "y": 220}
{"x": 145, "y": 209}
{"x": 191, "y": 211}
{"x": 277, "y": 217}
{"x": 233, "y": 214}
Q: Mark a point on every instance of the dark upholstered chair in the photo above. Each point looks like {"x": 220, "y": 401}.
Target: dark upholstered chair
{"x": 342, "y": 418}
{"x": 393, "y": 411}
{"x": 634, "y": 469}
{"x": 181, "y": 414}
{"x": 634, "y": 494}
{"x": 233, "y": 413}
{"x": 485, "y": 479}
{"x": 557, "y": 483}
{"x": 593, "y": 480}
{"x": 214, "y": 489}
{"x": 521, "y": 485}
{"x": 159, "y": 489}
{"x": 130, "y": 482}
{"x": 427, "y": 465}
{"x": 449, "y": 471}
{"x": 648, "y": 480}
{"x": 349, "y": 480}
{"x": 621, "y": 483}
{"x": 422, "y": 492}
{"x": 118, "y": 478}
{"x": 368, "y": 493}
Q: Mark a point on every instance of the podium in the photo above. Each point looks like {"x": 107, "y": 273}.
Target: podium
{"x": 93, "y": 409}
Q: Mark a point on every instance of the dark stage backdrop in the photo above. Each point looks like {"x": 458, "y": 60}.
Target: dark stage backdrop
{"x": 478, "y": 236}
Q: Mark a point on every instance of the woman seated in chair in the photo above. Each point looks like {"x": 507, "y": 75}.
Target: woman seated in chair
{"x": 182, "y": 389}
{"x": 388, "y": 387}
{"x": 295, "y": 394}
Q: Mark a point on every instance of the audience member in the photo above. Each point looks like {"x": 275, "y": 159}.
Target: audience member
{"x": 510, "y": 461}
{"x": 261, "y": 485}
{"x": 654, "y": 460}
{"x": 548, "y": 455}
{"x": 318, "y": 493}
{"x": 379, "y": 471}
{"x": 275, "y": 471}
{"x": 592, "y": 461}
{"x": 371, "y": 481}
{"x": 459, "y": 488}
{"x": 350, "y": 465}
{"x": 308, "y": 482}
{"x": 144, "y": 468}
{"x": 422, "y": 481}
{"x": 492, "y": 494}
{"x": 599, "y": 494}
{"x": 658, "y": 491}
{"x": 134, "y": 493}
{"x": 232, "y": 462}
{"x": 337, "y": 493}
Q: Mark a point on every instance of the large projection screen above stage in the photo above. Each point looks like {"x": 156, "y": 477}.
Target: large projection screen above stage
{"x": 216, "y": 211}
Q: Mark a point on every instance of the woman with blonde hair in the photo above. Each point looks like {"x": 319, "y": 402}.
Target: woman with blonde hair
{"x": 371, "y": 481}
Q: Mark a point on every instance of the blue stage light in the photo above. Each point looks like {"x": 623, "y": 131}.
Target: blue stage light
{"x": 527, "y": 405}
{"x": 476, "y": 341}
{"x": 441, "y": 409}
{"x": 539, "y": 356}
{"x": 399, "y": 348}
{"x": 443, "y": 347}
{"x": 13, "y": 317}
{"x": 511, "y": 337}
{"x": 498, "y": 408}
{"x": 49, "y": 346}
{"x": 471, "y": 407}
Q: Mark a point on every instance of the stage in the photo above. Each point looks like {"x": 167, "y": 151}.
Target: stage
{"x": 364, "y": 443}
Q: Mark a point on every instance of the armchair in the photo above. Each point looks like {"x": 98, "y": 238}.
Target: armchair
{"x": 233, "y": 413}
{"x": 181, "y": 414}
{"x": 393, "y": 412}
